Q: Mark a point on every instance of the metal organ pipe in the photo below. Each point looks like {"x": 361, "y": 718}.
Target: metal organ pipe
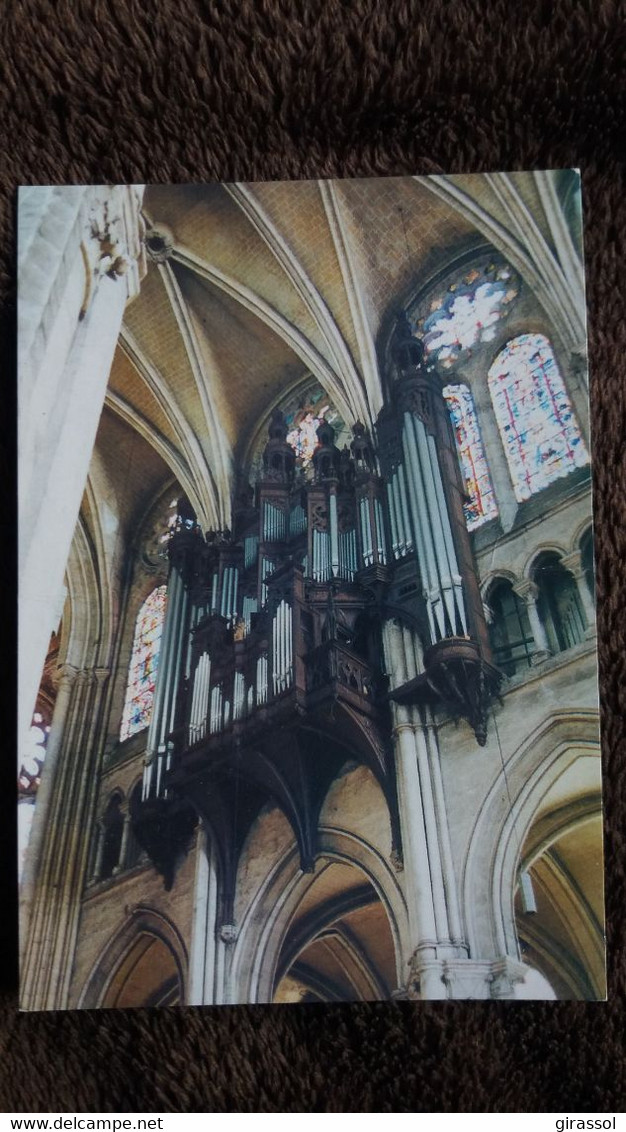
{"x": 334, "y": 535}
{"x": 261, "y": 679}
{"x": 199, "y": 703}
{"x": 403, "y": 508}
{"x": 164, "y": 703}
{"x": 289, "y": 628}
{"x": 283, "y": 646}
{"x": 282, "y": 650}
{"x": 447, "y": 533}
{"x": 297, "y": 520}
{"x": 250, "y": 550}
{"x": 171, "y": 615}
{"x": 223, "y": 594}
{"x": 267, "y": 569}
{"x": 366, "y": 533}
{"x": 229, "y": 592}
{"x": 275, "y": 653}
{"x": 215, "y": 723}
{"x": 276, "y": 650}
{"x": 149, "y": 774}
{"x": 196, "y": 614}
{"x": 250, "y": 606}
{"x": 439, "y": 522}
{"x": 393, "y": 522}
{"x": 380, "y": 533}
{"x": 347, "y": 554}
{"x": 274, "y": 522}
{"x": 239, "y": 695}
{"x": 423, "y": 531}
{"x": 279, "y": 668}
{"x": 233, "y": 607}
{"x": 179, "y": 645}
{"x": 194, "y": 704}
{"x": 321, "y": 556}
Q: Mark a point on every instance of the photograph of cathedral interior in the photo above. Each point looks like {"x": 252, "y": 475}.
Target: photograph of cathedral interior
{"x": 307, "y": 691}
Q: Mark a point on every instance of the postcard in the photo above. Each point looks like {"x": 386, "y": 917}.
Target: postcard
{"x": 308, "y": 687}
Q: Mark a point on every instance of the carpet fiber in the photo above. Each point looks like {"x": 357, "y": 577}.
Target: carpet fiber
{"x": 123, "y": 90}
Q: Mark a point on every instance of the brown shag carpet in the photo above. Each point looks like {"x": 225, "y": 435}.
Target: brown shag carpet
{"x": 141, "y": 90}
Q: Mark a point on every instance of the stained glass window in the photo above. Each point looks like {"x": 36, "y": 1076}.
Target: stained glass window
{"x": 302, "y": 420}
{"x": 303, "y": 409}
{"x": 481, "y": 505}
{"x": 144, "y": 663}
{"x": 170, "y": 523}
{"x": 468, "y": 313}
{"x": 541, "y": 438}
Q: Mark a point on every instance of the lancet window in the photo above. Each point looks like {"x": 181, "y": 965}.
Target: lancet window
{"x": 509, "y": 630}
{"x": 112, "y": 831}
{"x": 558, "y": 603}
{"x": 134, "y": 851}
{"x": 541, "y": 438}
{"x": 144, "y": 663}
{"x": 481, "y": 504}
{"x": 586, "y": 552}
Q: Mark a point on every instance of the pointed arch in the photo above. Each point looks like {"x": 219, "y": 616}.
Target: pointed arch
{"x": 507, "y": 816}
{"x": 148, "y": 938}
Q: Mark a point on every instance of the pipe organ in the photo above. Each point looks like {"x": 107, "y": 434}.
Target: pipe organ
{"x": 340, "y": 587}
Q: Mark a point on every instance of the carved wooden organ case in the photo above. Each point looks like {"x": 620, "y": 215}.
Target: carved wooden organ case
{"x": 272, "y": 673}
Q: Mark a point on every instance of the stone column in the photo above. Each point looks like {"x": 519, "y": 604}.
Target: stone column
{"x": 206, "y": 957}
{"x": 121, "y": 864}
{"x": 573, "y": 563}
{"x": 97, "y": 868}
{"x": 59, "y": 723}
{"x": 419, "y": 895}
{"x": 80, "y": 261}
{"x": 529, "y": 592}
{"x": 57, "y": 886}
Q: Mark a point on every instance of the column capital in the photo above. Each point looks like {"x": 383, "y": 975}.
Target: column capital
{"x": 527, "y": 590}
{"x": 67, "y": 675}
{"x": 480, "y": 979}
{"x": 506, "y": 974}
{"x": 573, "y": 563}
{"x": 95, "y": 675}
{"x": 101, "y": 675}
{"x": 467, "y": 978}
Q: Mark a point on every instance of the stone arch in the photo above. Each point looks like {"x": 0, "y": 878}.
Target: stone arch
{"x": 501, "y": 574}
{"x": 268, "y": 917}
{"x": 581, "y": 531}
{"x": 537, "y": 552}
{"x": 144, "y": 927}
{"x": 503, "y": 823}
{"x": 510, "y": 631}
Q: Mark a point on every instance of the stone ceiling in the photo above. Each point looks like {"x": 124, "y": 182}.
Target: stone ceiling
{"x": 250, "y": 287}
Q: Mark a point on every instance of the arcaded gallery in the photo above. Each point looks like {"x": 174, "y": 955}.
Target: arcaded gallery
{"x": 308, "y": 691}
